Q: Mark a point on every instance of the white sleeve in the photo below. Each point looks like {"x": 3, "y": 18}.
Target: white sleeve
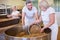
{"x": 52, "y": 11}
{"x": 18, "y": 12}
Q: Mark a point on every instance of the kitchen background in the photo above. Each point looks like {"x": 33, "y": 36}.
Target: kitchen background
{"x": 54, "y": 3}
{"x": 5, "y": 7}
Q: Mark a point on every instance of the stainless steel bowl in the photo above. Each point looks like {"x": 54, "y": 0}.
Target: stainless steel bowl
{"x": 10, "y": 35}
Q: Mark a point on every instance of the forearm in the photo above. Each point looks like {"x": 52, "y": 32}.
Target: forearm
{"x": 19, "y": 14}
{"x": 36, "y": 15}
{"x": 48, "y": 25}
{"x": 9, "y": 16}
{"x": 23, "y": 18}
{"x": 38, "y": 20}
{"x": 23, "y": 22}
{"x": 52, "y": 20}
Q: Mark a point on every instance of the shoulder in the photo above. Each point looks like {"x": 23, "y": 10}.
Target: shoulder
{"x": 51, "y": 10}
{"x": 34, "y": 8}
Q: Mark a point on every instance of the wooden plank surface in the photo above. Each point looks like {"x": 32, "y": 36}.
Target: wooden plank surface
{"x": 6, "y": 19}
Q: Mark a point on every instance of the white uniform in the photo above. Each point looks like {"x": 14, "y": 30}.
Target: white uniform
{"x": 14, "y": 13}
{"x": 45, "y": 19}
{"x": 29, "y": 17}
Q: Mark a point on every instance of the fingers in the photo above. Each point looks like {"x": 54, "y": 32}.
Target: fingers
{"x": 42, "y": 30}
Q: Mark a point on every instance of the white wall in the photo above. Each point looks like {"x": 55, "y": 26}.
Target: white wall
{"x": 58, "y": 17}
{"x": 18, "y": 3}
{"x": 12, "y": 2}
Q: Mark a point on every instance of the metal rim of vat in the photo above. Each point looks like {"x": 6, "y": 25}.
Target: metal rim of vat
{"x": 25, "y": 37}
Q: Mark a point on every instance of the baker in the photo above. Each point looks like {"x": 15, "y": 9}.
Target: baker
{"x": 29, "y": 14}
{"x": 48, "y": 16}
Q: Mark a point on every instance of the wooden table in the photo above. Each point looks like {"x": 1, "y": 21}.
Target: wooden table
{"x": 7, "y": 19}
{"x": 7, "y": 23}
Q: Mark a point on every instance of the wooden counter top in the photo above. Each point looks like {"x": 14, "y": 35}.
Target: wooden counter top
{"x": 8, "y": 21}
{"x": 7, "y": 27}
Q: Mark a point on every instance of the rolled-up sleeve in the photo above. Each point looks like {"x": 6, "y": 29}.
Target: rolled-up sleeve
{"x": 52, "y": 11}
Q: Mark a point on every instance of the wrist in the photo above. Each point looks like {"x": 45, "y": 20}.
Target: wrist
{"x": 45, "y": 27}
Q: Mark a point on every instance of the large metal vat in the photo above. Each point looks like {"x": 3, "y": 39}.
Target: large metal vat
{"x": 10, "y": 34}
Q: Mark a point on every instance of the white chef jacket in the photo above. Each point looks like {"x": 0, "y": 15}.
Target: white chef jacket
{"x": 14, "y": 13}
{"x": 29, "y": 17}
{"x": 45, "y": 19}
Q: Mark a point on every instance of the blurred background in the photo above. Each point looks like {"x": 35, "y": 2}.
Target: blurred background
{"x": 5, "y": 7}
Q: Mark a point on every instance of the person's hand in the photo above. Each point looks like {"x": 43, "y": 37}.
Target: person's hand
{"x": 8, "y": 16}
{"x": 37, "y": 21}
{"x": 42, "y": 29}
